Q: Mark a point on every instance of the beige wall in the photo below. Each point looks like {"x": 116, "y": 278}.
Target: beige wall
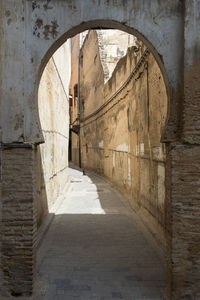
{"x": 75, "y": 48}
{"x": 122, "y": 140}
{"x": 114, "y": 44}
{"x": 91, "y": 75}
{"x": 52, "y": 156}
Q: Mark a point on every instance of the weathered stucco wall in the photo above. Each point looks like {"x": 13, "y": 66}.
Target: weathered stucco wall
{"x": 39, "y": 28}
{"x": 52, "y": 156}
{"x": 122, "y": 140}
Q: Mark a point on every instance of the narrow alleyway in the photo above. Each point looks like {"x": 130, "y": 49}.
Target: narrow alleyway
{"x": 96, "y": 248}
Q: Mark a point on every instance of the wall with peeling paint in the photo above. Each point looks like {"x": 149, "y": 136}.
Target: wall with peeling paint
{"x": 122, "y": 139}
{"x": 52, "y": 156}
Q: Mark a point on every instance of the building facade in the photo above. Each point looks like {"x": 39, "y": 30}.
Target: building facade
{"x": 121, "y": 127}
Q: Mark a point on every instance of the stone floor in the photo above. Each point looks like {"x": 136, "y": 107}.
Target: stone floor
{"x": 96, "y": 248}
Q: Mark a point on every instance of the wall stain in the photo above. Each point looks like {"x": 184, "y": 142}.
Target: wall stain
{"x": 48, "y": 30}
{"x": 51, "y": 30}
{"x": 38, "y": 25}
{"x": 35, "y": 5}
{"x": 47, "y": 6}
{"x": 9, "y": 21}
{"x": 110, "y": 2}
{"x": 19, "y": 121}
{"x": 7, "y": 13}
{"x": 71, "y": 5}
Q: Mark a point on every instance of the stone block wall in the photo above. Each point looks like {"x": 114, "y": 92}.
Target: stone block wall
{"x": 18, "y": 219}
{"x": 185, "y": 209}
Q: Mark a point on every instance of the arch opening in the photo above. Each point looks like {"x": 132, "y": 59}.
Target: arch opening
{"x": 144, "y": 158}
{"x": 105, "y": 24}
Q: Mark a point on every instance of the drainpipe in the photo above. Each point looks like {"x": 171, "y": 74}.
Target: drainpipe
{"x": 79, "y": 107}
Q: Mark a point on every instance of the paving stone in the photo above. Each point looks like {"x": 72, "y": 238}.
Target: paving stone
{"x": 96, "y": 249}
{"x": 117, "y": 295}
{"x": 60, "y": 292}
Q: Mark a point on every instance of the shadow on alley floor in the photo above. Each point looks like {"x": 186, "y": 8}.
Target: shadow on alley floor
{"x": 96, "y": 248}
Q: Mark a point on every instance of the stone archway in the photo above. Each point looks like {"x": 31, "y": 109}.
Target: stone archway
{"x": 113, "y": 25}
{"x": 35, "y": 30}
{"x": 46, "y": 25}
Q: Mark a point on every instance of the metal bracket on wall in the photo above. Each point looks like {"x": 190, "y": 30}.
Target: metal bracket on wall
{"x": 75, "y": 128}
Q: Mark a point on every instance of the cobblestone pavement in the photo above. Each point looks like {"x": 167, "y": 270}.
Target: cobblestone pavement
{"x": 97, "y": 249}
